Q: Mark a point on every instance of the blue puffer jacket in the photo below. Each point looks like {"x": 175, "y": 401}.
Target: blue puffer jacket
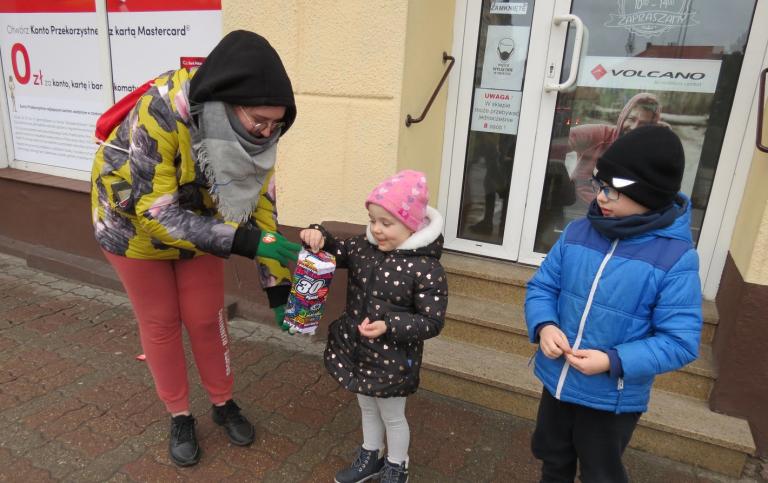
{"x": 639, "y": 295}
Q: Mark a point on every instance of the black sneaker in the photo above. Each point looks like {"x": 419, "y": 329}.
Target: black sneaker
{"x": 394, "y": 473}
{"x": 183, "y": 446}
{"x": 367, "y": 465}
{"x": 240, "y": 431}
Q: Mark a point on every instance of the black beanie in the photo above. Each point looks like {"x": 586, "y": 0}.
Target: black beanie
{"x": 244, "y": 69}
{"x": 646, "y": 164}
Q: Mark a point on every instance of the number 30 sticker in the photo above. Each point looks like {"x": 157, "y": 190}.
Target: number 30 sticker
{"x": 306, "y": 287}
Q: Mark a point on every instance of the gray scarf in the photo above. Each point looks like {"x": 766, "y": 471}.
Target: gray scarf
{"x": 234, "y": 162}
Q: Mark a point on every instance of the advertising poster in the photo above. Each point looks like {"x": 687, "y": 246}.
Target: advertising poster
{"x": 148, "y": 37}
{"x": 51, "y": 58}
{"x": 506, "y": 48}
{"x": 682, "y": 90}
{"x": 496, "y": 111}
{"x": 53, "y": 79}
{"x": 496, "y": 106}
{"x": 647, "y": 73}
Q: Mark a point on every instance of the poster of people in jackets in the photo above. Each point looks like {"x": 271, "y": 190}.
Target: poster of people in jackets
{"x": 53, "y": 73}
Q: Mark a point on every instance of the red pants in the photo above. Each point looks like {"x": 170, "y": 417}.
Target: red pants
{"x": 165, "y": 294}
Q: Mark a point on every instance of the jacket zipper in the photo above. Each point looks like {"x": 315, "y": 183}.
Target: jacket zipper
{"x": 110, "y": 145}
{"x": 371, "y": 277}
{"x": 620, "y": 388}
{"x": 584, "y": 315}
{"x": 368, "y": 291}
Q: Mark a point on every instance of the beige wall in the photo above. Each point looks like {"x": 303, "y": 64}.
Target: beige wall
{"x": 749, "y": 246}
{"x": 358, "y": 68}
{"x": 345, "y": 59}
{"x": 429, "y": 33}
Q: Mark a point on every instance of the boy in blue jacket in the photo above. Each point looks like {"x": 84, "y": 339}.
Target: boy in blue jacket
{"x": 616, "y": 301}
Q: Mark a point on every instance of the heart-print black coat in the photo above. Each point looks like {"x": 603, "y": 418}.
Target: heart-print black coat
{"x": 406, "y": 288}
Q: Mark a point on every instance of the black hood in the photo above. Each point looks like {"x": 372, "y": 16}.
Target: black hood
{"x": 244, "y": 69}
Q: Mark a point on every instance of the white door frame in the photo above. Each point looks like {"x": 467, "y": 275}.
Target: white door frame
{"x": 533, "y": 140}
{"x": 730, "y": 187}
{"x": 466, "y": 26}
{"x": 537, "y": 170}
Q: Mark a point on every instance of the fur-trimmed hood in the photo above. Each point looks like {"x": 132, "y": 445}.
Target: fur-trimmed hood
{"x": 423, "y": 238}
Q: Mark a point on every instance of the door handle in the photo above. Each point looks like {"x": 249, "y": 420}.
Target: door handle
{"x": 575, "y": 58}
{"x": 410, "y": 119}
{"x": 760, "y": 108}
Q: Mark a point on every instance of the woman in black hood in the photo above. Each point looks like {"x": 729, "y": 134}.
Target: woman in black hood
{"x": 186, "y": 175}
{"x": 244, "y": 70}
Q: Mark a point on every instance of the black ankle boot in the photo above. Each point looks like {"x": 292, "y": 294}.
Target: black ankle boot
{"x": 240, "y": 431}
{"x": 394, "y": 473}
{"x": 367, "y": 465}
{"x": 182, "y": 445}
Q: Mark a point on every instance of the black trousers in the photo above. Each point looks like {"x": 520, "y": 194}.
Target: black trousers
{"x": 568, "y": 432}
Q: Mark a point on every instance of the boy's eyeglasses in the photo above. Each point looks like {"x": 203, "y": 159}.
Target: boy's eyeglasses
{"x": 257, "y": 127}
{"x": 609, "y": 191}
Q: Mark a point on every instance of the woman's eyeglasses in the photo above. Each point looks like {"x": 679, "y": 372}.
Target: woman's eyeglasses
{"x": 609, "y": 191}
{"x": 257, "y": 127}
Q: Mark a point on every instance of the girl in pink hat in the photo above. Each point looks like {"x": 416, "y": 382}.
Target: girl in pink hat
{"x": 396, "y": 298}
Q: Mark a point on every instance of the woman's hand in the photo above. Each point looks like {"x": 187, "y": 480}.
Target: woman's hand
{"x": 280, "y": 317}
{"x": 314, "y": 239}
{"x": 275, "y": 246}
{"x": 372, "y": 329}
{"x": 589, "y": 361}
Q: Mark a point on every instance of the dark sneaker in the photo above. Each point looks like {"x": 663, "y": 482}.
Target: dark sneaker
{"x": 240, "y": 431}
{"x": 367, "y": 465}
{"x": 183, "y": 446}
{"x": 394, "y": 473}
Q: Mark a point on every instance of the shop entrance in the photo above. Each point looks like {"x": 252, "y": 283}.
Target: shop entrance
{"x": 544, "y": 87}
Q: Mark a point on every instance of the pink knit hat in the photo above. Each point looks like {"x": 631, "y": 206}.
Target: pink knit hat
{"x": 404, "y": 196}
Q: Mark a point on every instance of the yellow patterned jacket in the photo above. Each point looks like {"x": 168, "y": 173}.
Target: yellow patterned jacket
{"x": 149, "y": 198}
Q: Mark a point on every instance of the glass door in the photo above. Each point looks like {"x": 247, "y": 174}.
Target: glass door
{"x": 675, "y": 63}
{"x": 501, "y": 62}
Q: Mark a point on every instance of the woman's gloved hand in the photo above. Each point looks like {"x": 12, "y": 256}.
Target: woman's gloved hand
{"x": 280, "y": 317}
{"x": 275, "y": 246}
{"x": 251, "y": 242}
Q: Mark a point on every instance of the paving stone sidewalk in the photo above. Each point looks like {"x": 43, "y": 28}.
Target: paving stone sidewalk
{"x": 75, "y": 405}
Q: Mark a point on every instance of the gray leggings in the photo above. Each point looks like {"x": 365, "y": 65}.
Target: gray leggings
{"x": 385, "y": 416}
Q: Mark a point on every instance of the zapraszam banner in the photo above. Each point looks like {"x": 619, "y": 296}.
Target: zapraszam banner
{"x": 53, "y": 78}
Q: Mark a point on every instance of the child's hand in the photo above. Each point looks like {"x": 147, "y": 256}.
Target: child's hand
{"x": 553, "y": 342}
{"x": 372, "y": 329}
{"x": 312, "y": 238}
{"x": 589, "y": 361}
